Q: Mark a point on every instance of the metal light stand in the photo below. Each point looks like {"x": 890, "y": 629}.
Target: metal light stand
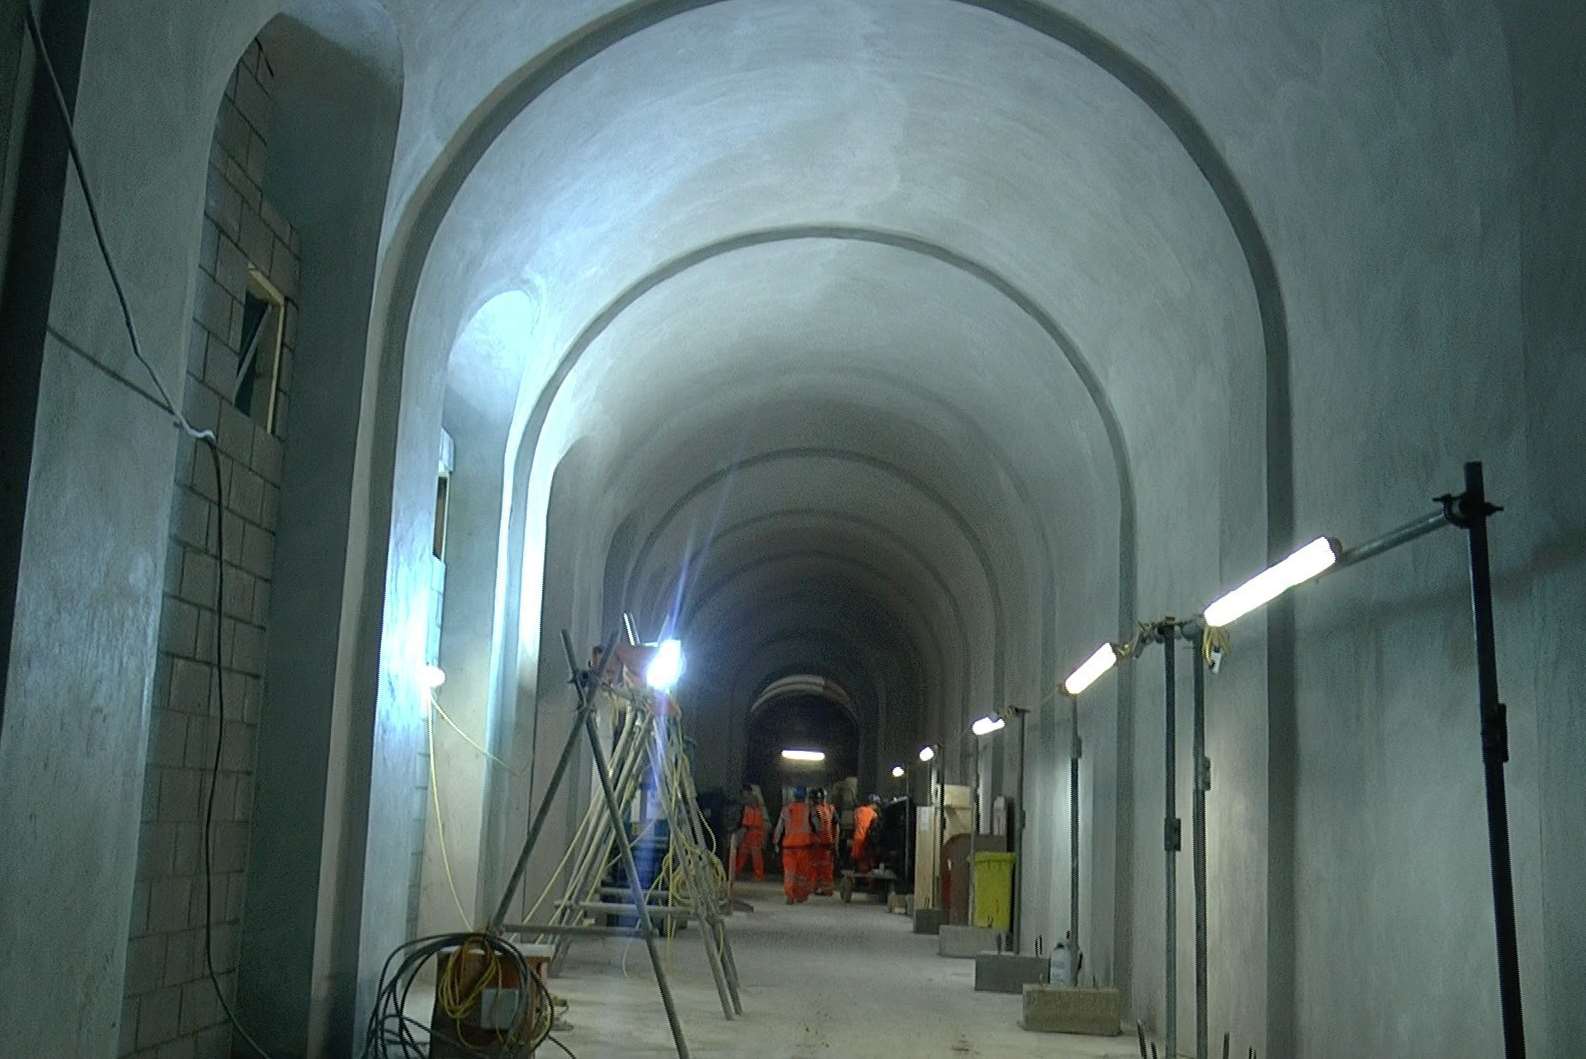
{"x": 1018, "y": 831}
{"x": 1193, "y": 633}
{"x": 1469, "y": 511}
{"x": 1075, "y": 752}
{"x": 586, "y": 727}
{"x": 1166, "y": 633}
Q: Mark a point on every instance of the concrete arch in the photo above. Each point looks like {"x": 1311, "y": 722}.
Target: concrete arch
{"x": 911, "y": 480}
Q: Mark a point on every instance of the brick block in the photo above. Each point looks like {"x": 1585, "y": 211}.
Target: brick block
{"x": 253, "y": 101}
{"x": 205, "y": 648}
{"x": 928, "y": 920}
{"x": 231, "y": 128}
{"x": 1066, "y": 1009}
{"x": 214, "y": 307}
{"x": 168, "y": 903}
{"x": 191, "y": 524}
{"x": 145, "y": 964}
{"x": 261, "y": 603}
{"x": 267, "y": 459}
{"x": 168, "y": 740}
{"x": 187, "y": 858}
{"x": 159, "y": 1016}
{"x": 248, "y": 653}
{"x": 213, "y": 1043}
{"x": 1004, "y": 972}
{"x": 247, "y": 491}
{"x": 198, "y": 578}
{"x": 181, "y": 1048}
{"x": 960, "y": 942}
{"x": 190, "y": 681}
{"x": 258, "y": 159}
{"x": 199, "y": 1008}
{"x": 236, "y": 439}
{"x": 258, "y": 242}
{"x": 178, "y": 796}
{"x": 220, "y": 365}
{"x": 180, "y": 964}
{"x": 178, "y": 627}
{"x": 258, "y": 551}
{"x": 197, "y": 344}
{"x": 233, "y": 525}
{"x": 239, "y": 593}
{"x": 200, "y": 742}
{"x": 156, "y": 846}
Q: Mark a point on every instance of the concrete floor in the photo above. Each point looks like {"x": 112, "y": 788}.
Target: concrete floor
{"x": 821, "y": 979}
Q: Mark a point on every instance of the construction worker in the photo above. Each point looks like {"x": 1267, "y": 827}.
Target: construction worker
{"x": 824, "y": 851}
{"x": 751, "y": 834}
{"x": 864, "y": 819}
{"x": 795, "y": 837}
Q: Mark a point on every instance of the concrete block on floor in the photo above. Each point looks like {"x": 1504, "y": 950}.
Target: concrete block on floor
{"x": 1004, "y": 972}
{"x": 964, "y": 942}
{"x": 897, "y": 904}
{"x": 1067, "y": 1009}
{"x": 928, "y": 920}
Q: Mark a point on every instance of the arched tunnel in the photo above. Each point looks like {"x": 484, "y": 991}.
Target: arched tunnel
{"x": 889, "y": 356}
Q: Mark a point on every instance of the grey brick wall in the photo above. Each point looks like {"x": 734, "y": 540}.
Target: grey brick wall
{"x": 169, "y": 1010}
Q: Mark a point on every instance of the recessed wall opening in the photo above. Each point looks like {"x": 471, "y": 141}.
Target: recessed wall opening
{"x": 259, "y": 385}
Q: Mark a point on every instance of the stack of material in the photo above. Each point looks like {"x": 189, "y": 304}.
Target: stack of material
{"x": 655, "y": 791}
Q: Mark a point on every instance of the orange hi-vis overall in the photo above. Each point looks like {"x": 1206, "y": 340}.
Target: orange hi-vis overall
{"x": 797, "y": 842}
{"x": 753, "y": 839}
{"x": 864, "y": 819}
{"x": 825, "y": 850}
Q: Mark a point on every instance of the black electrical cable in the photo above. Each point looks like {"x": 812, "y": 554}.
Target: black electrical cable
{"x": 214, "y": 769}
{"x": 390, "y": 1031}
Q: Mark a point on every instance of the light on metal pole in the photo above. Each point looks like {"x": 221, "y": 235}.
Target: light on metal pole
{"x": 666, "y": 667}
{"x": 928, "y": 754}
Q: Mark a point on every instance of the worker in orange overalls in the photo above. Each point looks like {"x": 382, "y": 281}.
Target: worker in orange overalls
{"x": 864, "y": 819}
{"x": 825, "y": 849}
{"x": 795, "y": 837}
{"x": 751, "y": 834}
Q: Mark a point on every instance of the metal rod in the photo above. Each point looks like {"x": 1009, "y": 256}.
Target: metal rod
{"x": 540, "y": 816}
{"x": 646, "y": 927}
{"x": 1075, "y": 752}
{"x": 1393, "y": 538}
{"x": 1473, "y": 513}
{"x": 571, "y": 929}
{"x": 1018, "y": 839}
{"x": 1203, "y": 781}
{"x": 543, "y": 812}
{"x": 1170, "y": 842}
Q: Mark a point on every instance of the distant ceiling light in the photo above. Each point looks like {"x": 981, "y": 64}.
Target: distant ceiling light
{"x": 804, "y": 755}
{"x": 1103, "y": 659}
{"x": 666, "y": 667}
{"x": 986, "y": 725}
{"x": 431, "y": 677}
{"x": 897, "y": 772}
{"x": 927, "y": 752}
{"x": 1272, "y": 582}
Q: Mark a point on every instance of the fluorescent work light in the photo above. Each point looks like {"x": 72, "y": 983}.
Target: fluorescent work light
{"x": 804, "y": 755}
{"x": 431, "y": 676}
{"x": 927, "y": 752}
{"x": 986, "y": 725}
{"x": 897, "y": 772}
{"x": 1103, "y": 659}
{"x": 1272, "y": 582}
{"x": 666, "y": 667}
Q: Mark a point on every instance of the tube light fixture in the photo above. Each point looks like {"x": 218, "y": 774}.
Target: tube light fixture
{"x": 897, "y": 772}
{"x": 431, "y": 677}
{"x": 666, "y": 667}
{"x": 1091, "y": 669}
{"x": 987, "y": 724}
{"x": 927, "y": 752}
{"x": 1272, "y": 582}
{"x": 804, "y": 755}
